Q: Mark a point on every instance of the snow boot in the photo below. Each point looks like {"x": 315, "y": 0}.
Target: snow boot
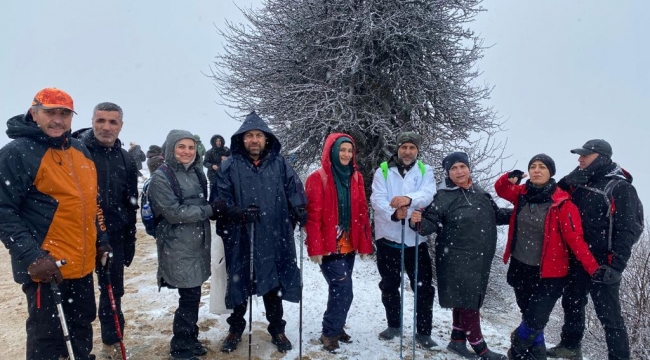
{"x": 345, "y": 338}
{"x": 198, "y": 349}
{"x": 565, "y": 351}
{"x": 483, "y": 353}
{"x": 459, "y": 347}
{"x": 230, "y": 342}
{"x": 172, "y": 357}
{"x": 520, "y": 348}
{"x": 389, "y": 333}
{"x": 281, "y": 342}
{"x": 425, "y": 341}
{"x": 537, "y": 352}
{"x": 330, "y": 344}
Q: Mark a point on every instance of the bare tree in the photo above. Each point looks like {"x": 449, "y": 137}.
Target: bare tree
{"x": 370, "y": 68}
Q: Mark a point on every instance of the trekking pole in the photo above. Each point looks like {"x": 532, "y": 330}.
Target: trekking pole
{"x": 301, "y": 285}
{"x": 401, "y": 309}
{"x": 56, "y": 292}
{"x": 111, "y": 297}
{"x": 250, "y": 296}
{"x": 415, "y": 290}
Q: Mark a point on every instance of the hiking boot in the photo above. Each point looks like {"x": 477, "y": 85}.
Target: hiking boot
{"x": 537, "y": 352}
{"x": 491, "y": 355}
{"x": 425, "y": 341}
{"x": 198, "y": 349}
{"x": 113, "y": 352}
{"x": 230, "y": 342}
{"x": 172, "y": 357}
{"x": 459, "y": 347}
{"x": 345, "y": 338}
{"x": 564, "y": 351}
{"x": 389, "y": 333}
{"x": 283, "y": 344}
{"x": 330, "y": 344}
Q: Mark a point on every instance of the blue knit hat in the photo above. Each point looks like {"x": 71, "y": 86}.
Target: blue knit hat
{"x": 453, "y": 158}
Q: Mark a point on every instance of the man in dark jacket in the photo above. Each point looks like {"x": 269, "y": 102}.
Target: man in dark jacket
{"x": 266, "y": 199}
{"x": 138, "y": 156}
{"x": 117, "y": 177}
{"x": 215, "y": 156}
{"x": 48, "y": 208}
{"x": 154, "y": 158}
{"x": 612, "y": 219}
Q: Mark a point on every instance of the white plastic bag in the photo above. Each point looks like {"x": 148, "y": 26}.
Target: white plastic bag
{"x": 219, "y": 277}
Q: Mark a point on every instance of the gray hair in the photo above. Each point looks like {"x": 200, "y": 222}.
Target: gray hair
{"x": 108, "y": 106}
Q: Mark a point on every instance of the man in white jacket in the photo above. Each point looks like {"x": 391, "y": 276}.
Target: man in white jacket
{"x": 401, "y": 185}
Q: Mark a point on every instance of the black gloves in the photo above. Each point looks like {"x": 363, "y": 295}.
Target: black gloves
{"x": 102, "y": 254}
{"x": 575, "y": 178}
{"x": 44, "y": 269}
{"x": 299, "y": 214}
{"x": 129, "y": 251}
{"x": 518, "y": 174}
{"x": 251, "y": 214}
{"x": 606, "y": 274}
{"x": 219, "y": 208}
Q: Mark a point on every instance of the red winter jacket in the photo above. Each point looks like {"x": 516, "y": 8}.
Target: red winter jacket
{"x": 322, "y": 207}
{"x": 562, "y": 223}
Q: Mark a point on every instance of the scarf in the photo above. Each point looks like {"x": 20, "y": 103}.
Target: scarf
{"x": 540, "y": 194}
{"x": 342, "y": 175}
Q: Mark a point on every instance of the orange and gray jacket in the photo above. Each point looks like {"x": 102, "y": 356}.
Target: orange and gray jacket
{"x": 48, "y": 200}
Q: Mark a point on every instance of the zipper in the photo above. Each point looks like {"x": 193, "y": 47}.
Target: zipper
{"x": 83, "y": 206}
{"x": 571, "y": 222}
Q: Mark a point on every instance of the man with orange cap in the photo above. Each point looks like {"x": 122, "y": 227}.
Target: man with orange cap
{"x": 51, "y": 213}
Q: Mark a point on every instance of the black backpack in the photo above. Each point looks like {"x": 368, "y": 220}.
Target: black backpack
{"x": 150, "y": 220}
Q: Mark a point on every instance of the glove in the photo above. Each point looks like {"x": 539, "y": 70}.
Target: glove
{"x": 317, "y": 259}
{"x": 251, "y": 214}
{"x": 606, "y": 274}
{"x": 129, "y": 251}
{"x": 517, "y": 174}
{"x": 575, "y": 178}
{"x": 300, "y": 215}
{"x": 44, "y": 269}
{"x": 102, "y": 254}
{"x": 219, "y": 208}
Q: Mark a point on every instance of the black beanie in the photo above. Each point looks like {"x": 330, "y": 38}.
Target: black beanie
{"x": 550, "y": 164}
{"x": 453, "y": 158}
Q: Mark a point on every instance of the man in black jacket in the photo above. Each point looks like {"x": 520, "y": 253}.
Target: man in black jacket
{"x": 612, "y": 219}
{"x": 117, "y": 177}
{"x": 214, "y": 156}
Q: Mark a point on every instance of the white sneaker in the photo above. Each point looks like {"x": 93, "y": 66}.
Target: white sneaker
{"x": 113, "y": 352}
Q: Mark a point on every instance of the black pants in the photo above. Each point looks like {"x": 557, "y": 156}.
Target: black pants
{"x": 44, "y": 333}
{"x": 106, "y": 317}
{"x": 186, "y": 332}
{"x": 389, "y": 266}
{"x": 274, "y": 314}
{"x": 608, "y": 309}
{"x": 535, "y": 296}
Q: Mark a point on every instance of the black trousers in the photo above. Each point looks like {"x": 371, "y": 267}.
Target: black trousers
{"x": 106, "y": 317}
{"x": 535, "y": 296}
{"x": 389, "y": 266}
{"x": 186, "y": 332}
{"x": 44, "y": 333}
{"x": 608, "y": 309}
{"x": 274, "y": 314}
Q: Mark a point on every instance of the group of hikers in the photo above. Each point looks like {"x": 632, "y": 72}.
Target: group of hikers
{"x": 70, "y": 200}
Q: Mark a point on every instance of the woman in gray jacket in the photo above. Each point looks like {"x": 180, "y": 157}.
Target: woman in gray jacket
{"x": 178, "y": 193}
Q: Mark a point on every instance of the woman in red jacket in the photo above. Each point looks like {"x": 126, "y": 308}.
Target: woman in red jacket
{"x": 337, "y": 228}
{"x": 543, "y": 226}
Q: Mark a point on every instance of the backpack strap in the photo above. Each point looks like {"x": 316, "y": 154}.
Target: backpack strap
{"x": 609, "y": 200}
{"x": 384, "y": 168}
{"x": 323, "y": 177}
{"x": 203, "y": 180}
{"x": 422, "y": 168}
{"x": 171, "y": 177}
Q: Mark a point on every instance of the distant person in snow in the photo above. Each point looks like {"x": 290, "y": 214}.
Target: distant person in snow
{"x": 50, "y": 213}
{"x": 338, "y": 227}
{"x": 138, "y": 156}
{"x": 183, "y": 237}
{"x": 544, "y": 229}
{"x": 612, "y": 218}
{"x": 465, "y": 218}
{"x": 262, "y": 192}
{"x": 117, "y": 177}
{"x": 215, "y": 156}
{"x": 400, "y": 186}
{"x": 154, "y": 158}
{"x": 200, "y": 149}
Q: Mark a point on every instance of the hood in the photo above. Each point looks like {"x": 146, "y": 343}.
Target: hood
{"x": 326, "y": 160}
{"x": 620, "y": 173}
{"x": 254, "y": 122}
{"x": 87, "y": 136}
{"x": 213, "y": 141}
{"x": 170, "y": 142}
{"x": 24, "y": 126}
{"x": 154, "y": 150}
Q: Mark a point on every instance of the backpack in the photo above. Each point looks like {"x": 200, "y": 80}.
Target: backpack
{"x": 607, "y": 193}
{"x": 384, "y": 168}
{"x": 149, "y": 218}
